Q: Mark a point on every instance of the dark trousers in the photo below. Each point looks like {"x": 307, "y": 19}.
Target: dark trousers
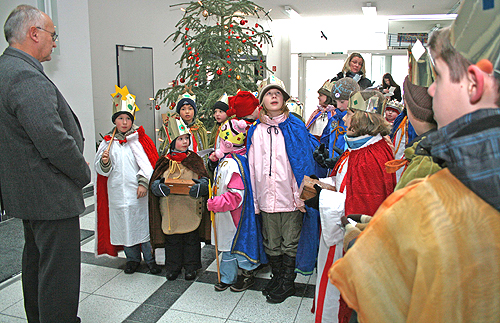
{"x": 183, "y": 250}
{"x": 51, "y": 270}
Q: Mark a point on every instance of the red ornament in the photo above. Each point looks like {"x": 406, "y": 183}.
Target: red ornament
{"x": 244, "y": 40}
{"x": 196, "y": 79}
{"x": 253, "y": 32}
{"x": 186, "y": 28}
{"x": 249, "y": 37}
{"x": 189, "y": 48}
{"x": 260, "y": 45}
{"x": 242, "y": 22}
{"x": 157, "y": 107}
{"x": 227, "y": 42}
{"x": 197, "y": 54}
{"x": 219, "y": 72}
{"x": 227, "y": 50}
{"x": 190, "y": 52}
{"x": 182, "y": 80}
{"x": 187, "y": 44}
{"x": 197, "y": 70}
{"x": 231, "y": 25}
{"x": 228, "y": 75}
{"x": 196, "y": 74}
{"x": 229, "y": 62}
{"x": 228, "y": 56}
{"x": 261, "y": 61}
{"x": 186, "y": 37}
{"x": 237, "y": 37}
{"x": 230, "y": 69}
{"x": 256, "y": 25}
{"x": 172, "y": 104}
{"x": 197, "y": 65}
{"x": 228, "y": 37}
{"x": 197, "y": 58}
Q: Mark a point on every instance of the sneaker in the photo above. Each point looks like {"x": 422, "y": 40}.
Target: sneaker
{"x": 131, "y": 267}
{"x": 219, "y": 287}
{"x": 154, "y": 268}
{"x": 245, "y": 281}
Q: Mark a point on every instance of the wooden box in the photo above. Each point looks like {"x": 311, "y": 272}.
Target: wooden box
{"x": 307, "y": 189}
{"x": 179, "y": 186}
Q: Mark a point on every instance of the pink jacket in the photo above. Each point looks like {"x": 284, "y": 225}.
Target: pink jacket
{"x": 273, "y": 183}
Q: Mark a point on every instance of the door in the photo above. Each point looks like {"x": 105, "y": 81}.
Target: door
{"x": 135, "y": 70}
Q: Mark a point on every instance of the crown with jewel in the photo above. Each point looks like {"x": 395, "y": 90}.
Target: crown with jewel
{"x": 124, "y": 101}
{"x": 367, "y": 101}
{"x": 175, "y": 126}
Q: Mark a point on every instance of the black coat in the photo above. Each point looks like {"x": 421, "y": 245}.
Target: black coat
{"x": 363, "y": 83}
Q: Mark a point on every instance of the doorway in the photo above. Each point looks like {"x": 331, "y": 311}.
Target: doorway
{"x": 135, "y": 70}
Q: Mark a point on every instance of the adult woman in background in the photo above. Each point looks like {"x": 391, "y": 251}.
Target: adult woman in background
{"x": 354, "y": 67}
{"x": 387, "y": 83}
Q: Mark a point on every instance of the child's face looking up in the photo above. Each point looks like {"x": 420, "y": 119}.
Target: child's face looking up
{"x": 182, "y": 143}
{"x": 273, "y": 101}
{"x": 187, "y": 113}
{"x": 220, "y": 116}
{"x": 322, "y": 99}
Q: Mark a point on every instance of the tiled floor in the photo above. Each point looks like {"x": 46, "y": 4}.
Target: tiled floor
{"x": 109, "y": 295}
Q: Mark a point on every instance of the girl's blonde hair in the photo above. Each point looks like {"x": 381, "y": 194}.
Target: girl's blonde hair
{"x": 366, "y": 123}
{"x": 347, "y": 68}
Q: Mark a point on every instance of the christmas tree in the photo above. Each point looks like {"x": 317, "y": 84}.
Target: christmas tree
{"x": 221, "y": 52}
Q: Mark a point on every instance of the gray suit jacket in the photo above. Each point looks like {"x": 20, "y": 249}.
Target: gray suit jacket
{"x": 42, "y": 169}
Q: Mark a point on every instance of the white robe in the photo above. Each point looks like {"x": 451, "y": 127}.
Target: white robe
{"x": 128, "y": 215}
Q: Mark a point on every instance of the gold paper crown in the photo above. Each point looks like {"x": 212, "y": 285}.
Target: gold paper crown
{"x": 295, "y": 106}
{"x": 224, "y": 98}
{"x": 367, "y": 101}
{"x": 230, "y": 131}
{"x": 326, "y": 88}
{"x": 395, "y": 105}
{"x": 123, "y": 101}
{"x": 272, "y": 82}
{"x": 175, "y": 126}
{"x": 476, "y": 32}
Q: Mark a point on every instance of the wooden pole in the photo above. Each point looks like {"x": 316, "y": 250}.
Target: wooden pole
{"x": 111, "y": 140}
{"x": 212, "y": 218}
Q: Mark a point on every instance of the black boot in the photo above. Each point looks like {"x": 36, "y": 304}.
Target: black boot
{"x": 286, "y": 287}
{"x": 245, "y": 281}
{"x": 276, "y": 263}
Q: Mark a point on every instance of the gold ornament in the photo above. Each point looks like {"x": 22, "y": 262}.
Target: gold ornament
{"x": 238, "y": 77}
{"x": 205, "y": 13}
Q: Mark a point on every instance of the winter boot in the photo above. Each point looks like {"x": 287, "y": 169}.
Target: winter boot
{"x": 276, "y": 263}
{"x": 245, "y": 281}
{"x": 286, "y": 287}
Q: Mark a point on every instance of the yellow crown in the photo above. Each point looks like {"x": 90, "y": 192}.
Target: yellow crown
{"x": 272, "y": 82}
{"x": 234, "y": 131}
{"x": 295, "y": 106}
{"x": 123, "y": 101}
{"x": 175, "y": 126}
{"x": 367, "y": 101}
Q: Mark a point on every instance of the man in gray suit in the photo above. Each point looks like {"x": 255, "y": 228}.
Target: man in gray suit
{"x": 42, "y": 169}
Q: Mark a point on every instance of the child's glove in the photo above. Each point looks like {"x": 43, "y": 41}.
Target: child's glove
{"x": 320, "y": 154}
{"x": 314, "y": 201}
{"x": 159, "y": 189}
{"x": 200, "y": 188}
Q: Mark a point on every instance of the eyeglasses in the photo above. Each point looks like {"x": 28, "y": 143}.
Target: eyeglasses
{"x": 53, "y": 34}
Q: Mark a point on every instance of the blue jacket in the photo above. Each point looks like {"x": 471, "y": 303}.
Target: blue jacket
{"x": 300, "y": 145}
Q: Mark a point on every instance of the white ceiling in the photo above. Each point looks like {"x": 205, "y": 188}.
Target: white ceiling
{"x": 321, "y": 8}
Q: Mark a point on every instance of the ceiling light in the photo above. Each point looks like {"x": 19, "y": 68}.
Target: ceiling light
{"x": 291, "y": 13}
{"x": 368, "y": 10}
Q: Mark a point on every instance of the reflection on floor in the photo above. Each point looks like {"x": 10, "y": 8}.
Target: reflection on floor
{"x": 109, "y": 295}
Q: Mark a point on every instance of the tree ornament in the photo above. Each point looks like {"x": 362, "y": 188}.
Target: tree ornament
{"x": 227, "y": 42}
{"x": 227, "y": 50}
{"x": 182, "y": 80}
{"x": 229, "y": 62}
{"x": 219, "y": 72}
{"x": 187, "y": 29}
{"x": 172, "y": 105}
{"x": 189, "y": 48}
{"x": 238, "y": 77}
{"x": 256, "y": 25}
{"x": 229, "y": 75}
{"x": 157, "y": 107}
{"x": 244, "y": 41}
{"x": 205, "y": 13}
{"x": 242, "y": 22}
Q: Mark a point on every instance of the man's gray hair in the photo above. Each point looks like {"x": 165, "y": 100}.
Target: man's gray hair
{"x": 19, "y": 21}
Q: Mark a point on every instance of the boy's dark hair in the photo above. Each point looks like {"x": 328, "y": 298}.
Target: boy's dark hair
{"x": 366, "y": 123}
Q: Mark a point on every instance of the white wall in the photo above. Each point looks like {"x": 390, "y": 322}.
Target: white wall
{"x": 135, "y": 23}
{"x": 70, "y": 70}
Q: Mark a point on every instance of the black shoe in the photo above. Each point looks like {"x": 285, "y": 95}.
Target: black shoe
{"x": 245, "y": 281}
{"x": 219, "y": 287}
{"x": 286, "y": 286}
{"x": 154, "y": 268}
{"x": 276, "y": 263}
{"x": 190, "y": 275}
{"x": 131, "y": 267}
{"x": 172, "y": 275}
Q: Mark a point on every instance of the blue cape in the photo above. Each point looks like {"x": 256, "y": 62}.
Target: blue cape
{"x": 331, "y": 135}
{"x": 411, "y": 132}
{"x": 248, "y": 238}
{"x": 300, "y": 144}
